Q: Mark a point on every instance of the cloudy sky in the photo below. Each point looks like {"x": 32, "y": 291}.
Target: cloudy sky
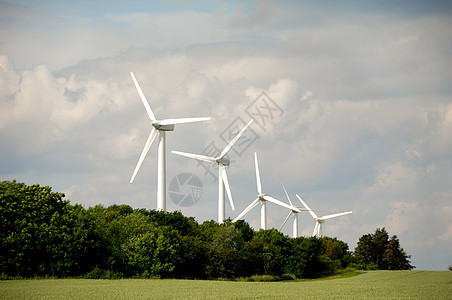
{"x": 352, "y": 102}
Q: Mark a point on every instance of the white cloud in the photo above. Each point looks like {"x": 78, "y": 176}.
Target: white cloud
{"x": 447, "y": 236}
{"x": 399, "y": 218}
{"x": 306, "y": 95}
{"x": 9, "y": 79}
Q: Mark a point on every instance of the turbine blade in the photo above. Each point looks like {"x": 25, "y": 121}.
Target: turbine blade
{"x": 226, "y": 185}
{"x": 285, "y": 221}
{"x": 335, "y": 215}
{"x": 307, "y": 207}
{"x": 236, "y": 138}
{"x": 182, "y": 120}
{"x": 148, "y": 144}
{"x": 143, "y": 98}
{"x": 280, "y": 203}
{"x": 316, "y": 229}
{"x": 258, "y": 176}
{"x": 246, "y": 210}
{"x": 285, "y": 191}
{"x": 195, "y": 156}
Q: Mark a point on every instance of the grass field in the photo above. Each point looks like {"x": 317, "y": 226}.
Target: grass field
{"x": 369, "y": 285}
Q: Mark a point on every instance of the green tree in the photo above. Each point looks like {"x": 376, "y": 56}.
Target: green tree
{"x": 246, "y": 230}
{"x": 156, "y": 253}
{"x": 267, "y": 252}
{"x": 395, "y": 257}
{"x": 307, "y": 259}
{"x": 296, "y": 262}
{"x": 176, "y": 220}
{"x": 377, "y": 251}
{"x": 336, "y": 251}
{"x": 253, "y": 257}
{"x": 363, "y": 253}
{"x": 194, "y": 258}
{"x": 42, "y": 234}
{"x": 115, "y": 227}
{"x": 316, "y": 264}
{"x": 225, "y": 251}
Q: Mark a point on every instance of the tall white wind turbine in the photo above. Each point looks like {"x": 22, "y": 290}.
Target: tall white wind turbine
{"x": 319, "y": 221}
{"x": 262, "y": 198}
{"x": 222, "y": 161}
{"x": 160, "y": 126}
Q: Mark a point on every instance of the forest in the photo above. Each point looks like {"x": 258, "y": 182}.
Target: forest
{"x": 44, "y": 235}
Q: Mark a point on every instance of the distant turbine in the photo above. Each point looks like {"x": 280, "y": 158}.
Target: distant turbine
{"x": 293, "y": 211}
{"x": 222, "y": 161}
{"x": 262, "y": 198}
{"x": 160, "y": 126}
{"x": 319, "y": 221}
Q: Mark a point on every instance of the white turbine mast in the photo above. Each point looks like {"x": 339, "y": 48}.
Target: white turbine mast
{"x": 319, "y": 221}
{"x": 262, "y": 198}
{"x": 160, "y": 126}
{"x": 222, "y": 161}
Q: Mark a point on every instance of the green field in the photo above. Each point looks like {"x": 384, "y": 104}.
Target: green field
{"x": 370, "y": 285}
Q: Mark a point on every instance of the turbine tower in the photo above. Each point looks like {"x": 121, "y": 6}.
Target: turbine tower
{"x": 262, "y": 198}
{"x": 160, "y": 127}
{"x": 222, "y": 161}
{"x": 319, "y": 221}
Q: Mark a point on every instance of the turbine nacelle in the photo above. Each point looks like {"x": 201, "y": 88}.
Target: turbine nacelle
{"x": 224, "y": 161}
{"x": 262, "y": 197}
{"x": 296, "y": 209}
{"x": 166, "y": 127}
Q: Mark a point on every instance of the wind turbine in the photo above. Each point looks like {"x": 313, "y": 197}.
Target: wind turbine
{"x": 319, "y": 221}
{"x": 262, "y": 198}
{"x": 160, "y": 127}
{"x": 222, "y": 161}
{"x": 293, "y": 211}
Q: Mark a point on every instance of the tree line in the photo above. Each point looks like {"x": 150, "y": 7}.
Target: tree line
{"x": 41, "y": 234}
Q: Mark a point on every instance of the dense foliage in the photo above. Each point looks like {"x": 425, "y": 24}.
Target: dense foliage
{"x": 43, "y": 235}
{"x": 378, "y": 251}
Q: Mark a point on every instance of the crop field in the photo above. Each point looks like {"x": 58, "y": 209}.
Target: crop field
{"x": 370, "y": 285}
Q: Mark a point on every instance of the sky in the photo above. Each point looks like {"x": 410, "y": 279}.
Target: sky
{"x": 351, "y": 101}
